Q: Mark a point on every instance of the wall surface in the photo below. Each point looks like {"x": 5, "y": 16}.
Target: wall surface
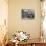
{"x": 16, "y": 23}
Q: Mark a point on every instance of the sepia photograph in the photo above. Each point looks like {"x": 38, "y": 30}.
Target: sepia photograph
{"x": 28, "y": 14}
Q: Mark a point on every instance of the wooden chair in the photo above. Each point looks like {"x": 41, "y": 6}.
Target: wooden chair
{"x": 10, "y": 44}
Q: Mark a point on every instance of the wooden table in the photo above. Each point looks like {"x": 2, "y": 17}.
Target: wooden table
{"x": 28, "y": 44}
{"x": 33, "y": 42}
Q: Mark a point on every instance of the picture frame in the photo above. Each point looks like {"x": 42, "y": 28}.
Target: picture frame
{"x": 28, "y": 14}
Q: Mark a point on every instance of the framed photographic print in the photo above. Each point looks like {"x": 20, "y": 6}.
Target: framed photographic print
{"x": 28, "y": 14}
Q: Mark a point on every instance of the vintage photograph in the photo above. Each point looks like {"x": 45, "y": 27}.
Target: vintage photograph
{"x": 28, "y": 14}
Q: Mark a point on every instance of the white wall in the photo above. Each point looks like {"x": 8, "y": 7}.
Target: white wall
{"x": 15, "y": 21}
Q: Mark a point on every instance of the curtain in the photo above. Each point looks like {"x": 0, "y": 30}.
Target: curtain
{"x": 44, "y": 20}
{"x": 3, "y": 19}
